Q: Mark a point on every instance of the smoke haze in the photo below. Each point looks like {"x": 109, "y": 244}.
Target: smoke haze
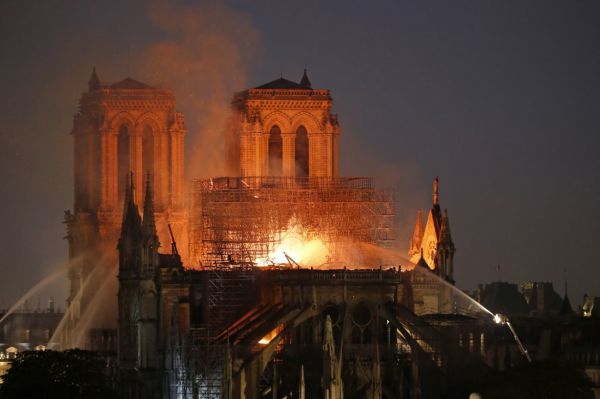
{"x": 205, "y": 58}
{"x": 499, "y": 99}
{"x": 202, "y": 51}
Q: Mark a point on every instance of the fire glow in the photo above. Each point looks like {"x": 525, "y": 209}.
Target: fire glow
{"x": 297, "y": 244}
{"x": 271, "y": 335}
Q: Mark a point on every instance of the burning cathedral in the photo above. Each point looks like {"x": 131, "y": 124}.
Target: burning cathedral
{"x": 269, "y": 282}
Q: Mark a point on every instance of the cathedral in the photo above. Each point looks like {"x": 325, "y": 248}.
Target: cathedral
{"x": 206, "y": 307}
{"x": 434, "y": 243}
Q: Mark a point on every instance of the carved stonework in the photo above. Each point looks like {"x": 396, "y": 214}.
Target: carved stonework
{"x": 285, "y": 107}
{"x": 127, "y": 127}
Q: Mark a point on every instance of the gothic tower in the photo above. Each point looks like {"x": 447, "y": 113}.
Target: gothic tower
{"x": 433, "y": 244}
{"x": 122, "y": 128}
{"x": 283, "y": 128}
{"x": 138, "y": 299}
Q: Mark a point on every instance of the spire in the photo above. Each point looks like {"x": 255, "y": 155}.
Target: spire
{"x": 445, "y": 235}
{"x": 305, "y": 81}
{"x": 415, "y": 242}
{"x": 436, "y": 183}
{"x": 435, "y": 209}
{"x": 129, "y": 194}
{"x": 149, "y": 225}
{"x": 565, "y": 307}
{"x": 132, "y": 222}
{"x": 94, "y": 82}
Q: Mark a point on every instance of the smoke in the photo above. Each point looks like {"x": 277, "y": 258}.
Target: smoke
{"x": 202, "y": 51}
{"x": 204, "y": 57}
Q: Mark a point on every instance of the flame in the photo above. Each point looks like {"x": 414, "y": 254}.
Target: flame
{"x": 299, "y": 245}
{"x": 269, "y": 337}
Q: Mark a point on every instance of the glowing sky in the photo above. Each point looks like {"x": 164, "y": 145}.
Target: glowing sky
{"x": 500, "y": 99}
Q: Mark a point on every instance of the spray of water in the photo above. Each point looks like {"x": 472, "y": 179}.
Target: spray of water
{"x": 60, "y": 333}
{"x": 459, "y": 294}
{"x": 41, "y": 284}
{"x": 92, "y": 316}
{"x": 473, "y": 305}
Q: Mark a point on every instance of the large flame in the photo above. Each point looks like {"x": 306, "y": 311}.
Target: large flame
{"x": 302, "y": 247}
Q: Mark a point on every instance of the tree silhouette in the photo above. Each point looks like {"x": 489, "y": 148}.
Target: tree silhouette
{"x": 49, "y": 374}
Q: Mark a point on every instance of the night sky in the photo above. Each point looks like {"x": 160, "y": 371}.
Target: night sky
{"x": 500, "y": 99}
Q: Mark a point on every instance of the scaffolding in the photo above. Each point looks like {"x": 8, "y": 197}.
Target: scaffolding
{"x": 241, "y": 219}
{"x": 198, "y": 359}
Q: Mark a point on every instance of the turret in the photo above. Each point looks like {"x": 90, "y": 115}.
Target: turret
{"x": 445, "y": 250}
{"x": 305, "y": 81}
{"x": 437, "y": 213}
{"x": 129, "y": 273}
{"x": 566, "y": 310}
{"x": 150, "y": 242}
{"x": 131, "y": 235}
{"x": 94, "y": 82}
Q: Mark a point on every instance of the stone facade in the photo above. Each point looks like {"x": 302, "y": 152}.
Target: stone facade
{"x": 434, "y": 243}
{"x": 284, "y": 128}
{"x": 122, "y": 129}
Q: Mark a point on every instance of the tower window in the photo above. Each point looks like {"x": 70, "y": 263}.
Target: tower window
{"x": 123, "y": 160}
{"x": 148, "y": 154}
{"x": 301, "y": 155}
{"x": 275, "y": 151}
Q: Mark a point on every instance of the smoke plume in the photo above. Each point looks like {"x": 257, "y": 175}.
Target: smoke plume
{"x": 205, "y": 57}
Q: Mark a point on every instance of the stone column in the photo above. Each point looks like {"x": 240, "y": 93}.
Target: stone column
{"x": 244, "y": 150}
{"x": 336, "y": 154}
{"x": 135, "y": 163}
{"x": 328, "y": 144}
{"x": 262, "y": 155}
{"x": 288, "y": 154}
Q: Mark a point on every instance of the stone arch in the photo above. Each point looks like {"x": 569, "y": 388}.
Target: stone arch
{"x": 123, "y": 118}
{"x": 306, "y": 119}
{"x": 149, "y": 130}
{"x": 149, "y": 118}
{"x": 277, "y": 118}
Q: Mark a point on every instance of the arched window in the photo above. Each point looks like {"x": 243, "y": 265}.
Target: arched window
{"x": 123, "y": 161}
{"x": 275, "y": 151}
{"x": 301, "y": 155}
{"x": 148, "y": 154}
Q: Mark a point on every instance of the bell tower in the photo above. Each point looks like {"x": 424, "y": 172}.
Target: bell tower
{"x": 122, "y": 129}
{"x": 284, "y": 129}
{"x": 433, "y": 245}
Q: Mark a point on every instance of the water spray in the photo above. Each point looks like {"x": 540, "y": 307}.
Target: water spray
{"x": 501, "y": 319}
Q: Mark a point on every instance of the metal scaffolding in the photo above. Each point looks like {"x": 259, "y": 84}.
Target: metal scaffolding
{"x": 242, "y": 219}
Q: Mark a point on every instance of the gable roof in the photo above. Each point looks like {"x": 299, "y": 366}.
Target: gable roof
{"x": 129, "y": 83}
{"x": 282, "y": 83}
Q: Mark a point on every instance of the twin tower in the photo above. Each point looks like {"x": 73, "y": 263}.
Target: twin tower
{"x": 282, "y": 128}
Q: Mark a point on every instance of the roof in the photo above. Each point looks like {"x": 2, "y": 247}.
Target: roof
{"x": 282, "y": 83}
{"x": 129, "y": 83}
{"x": 505, "y": 298}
